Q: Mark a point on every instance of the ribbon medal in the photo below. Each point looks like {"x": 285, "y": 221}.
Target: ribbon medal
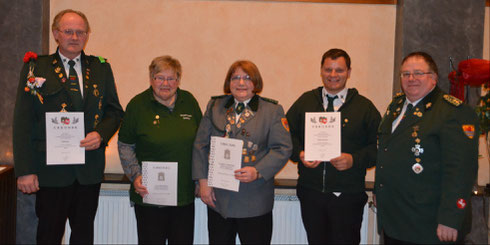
{"x": 417, "y": 168}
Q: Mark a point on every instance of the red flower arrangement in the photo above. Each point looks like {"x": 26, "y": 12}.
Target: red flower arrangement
{"x": 33, "y": 83}
{"x": 30, "y": 56}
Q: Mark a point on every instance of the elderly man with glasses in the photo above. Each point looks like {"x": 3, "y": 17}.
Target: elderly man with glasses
{"x": 427, "y": 160}
{"x": 66, "y": 81}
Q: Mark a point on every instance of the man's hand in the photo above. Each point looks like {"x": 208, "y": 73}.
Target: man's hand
{"x": 92, "y": 141}
{"x": 446, "y": 233}
{"x": 28, "y": 183}
{"x": 308, "y": 164}
{"x": 343, "y": 162}
{"x": 246, "y": 174}
{"x": 207, "y": 193}
{"x": 139, "y": 187}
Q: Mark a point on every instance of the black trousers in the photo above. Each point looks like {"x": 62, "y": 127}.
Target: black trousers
{"x": 156, "y": 225}
{"x": 77, "y": 203}
{"x": 329, "y": 219}
{"x": 390, "y": 240}
{"x": 253, "y": 230}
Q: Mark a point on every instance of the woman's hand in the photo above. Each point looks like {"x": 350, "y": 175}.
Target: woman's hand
{"x": 246, "y": 174}
{"x": 207, "y": 193}
{"x": 139, "y": 187}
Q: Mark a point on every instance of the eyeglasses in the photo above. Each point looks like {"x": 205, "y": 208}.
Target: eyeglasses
{"x": 70, "y": 32}
{"x": 245, "y": 78}
{"x": 162, "y": 79}
{"x": 415, "y": 74}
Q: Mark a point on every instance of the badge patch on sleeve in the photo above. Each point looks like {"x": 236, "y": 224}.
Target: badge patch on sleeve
{"x": 469, "y": 130}
{"x": 285, "y": 123}
{"x": 461, "y": 203}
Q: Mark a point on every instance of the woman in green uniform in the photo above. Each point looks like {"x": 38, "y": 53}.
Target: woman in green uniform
{"x": 160, "y": 125}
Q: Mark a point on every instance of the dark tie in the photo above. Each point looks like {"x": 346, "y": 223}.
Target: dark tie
{"x": 74, "y": 87}
{"x": 330, "y": 102}
{"x": 408, "y": 110}
{"x": 239, "y": 108}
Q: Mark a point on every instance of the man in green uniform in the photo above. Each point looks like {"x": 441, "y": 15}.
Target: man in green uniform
{"x": 427, "y": 160}
{"x": 71, "y": 81}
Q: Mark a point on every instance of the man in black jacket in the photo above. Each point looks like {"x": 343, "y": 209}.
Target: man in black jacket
{"x": 332, "y": 193}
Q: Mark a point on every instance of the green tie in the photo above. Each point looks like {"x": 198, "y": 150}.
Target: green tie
{"x": 330, "y": 102}
{"x": 74, "y": 87}
{"x": 239, "y": 108}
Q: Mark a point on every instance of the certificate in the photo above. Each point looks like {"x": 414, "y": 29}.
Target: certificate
{"x": 160, "y": 179}
{"x": 322, "y": 136}
{"x": 225, "y": 156}
{"x": 64, "y": 131}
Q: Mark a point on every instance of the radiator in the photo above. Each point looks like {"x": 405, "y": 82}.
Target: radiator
{"x": 115, "y": 222}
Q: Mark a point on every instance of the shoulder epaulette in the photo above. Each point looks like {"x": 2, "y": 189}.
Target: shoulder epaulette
{"x": 396, "y": 98}
{"x": 102, "y": 59}
{"x": 452, "y": 100}
{"x": 218, "y": 96}
{"x": 269, "y": 100}
{"x": 398, "y": 95}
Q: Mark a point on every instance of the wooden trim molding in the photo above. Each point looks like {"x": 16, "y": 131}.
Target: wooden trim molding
{"x": 340, "y": 1}
{"x": 487, "y": 2}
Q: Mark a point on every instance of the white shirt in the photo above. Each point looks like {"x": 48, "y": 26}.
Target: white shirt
{"x": 337, "y": 103}
{"x": 397, "y": 121}
{"x": 77, "y": 67}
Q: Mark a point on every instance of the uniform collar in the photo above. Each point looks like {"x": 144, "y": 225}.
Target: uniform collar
{"x": 342, "y": 95}
{"x": 253, "y": 103}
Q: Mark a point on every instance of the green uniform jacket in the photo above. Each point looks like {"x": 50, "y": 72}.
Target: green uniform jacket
{"x": 441, "y": 135}
{"x": 162, "y": 135}
{"x": 102, "y": 113}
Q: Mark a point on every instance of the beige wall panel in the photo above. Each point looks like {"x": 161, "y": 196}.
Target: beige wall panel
{"x": 284, "y": 39}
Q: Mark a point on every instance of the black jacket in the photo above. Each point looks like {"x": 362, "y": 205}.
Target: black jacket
{"x": 360, "y": 120}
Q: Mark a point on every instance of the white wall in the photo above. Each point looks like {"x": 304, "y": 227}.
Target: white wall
{"x": 284, "y": 39}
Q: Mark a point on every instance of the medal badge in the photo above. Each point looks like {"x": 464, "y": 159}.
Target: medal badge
{"x": 96, "y": 91}
{"x": 96, "y": 121}
{"x": 63, "y": 107}
{"x": 157, "y": 120}
{"x": 417, "y": 150}
{"x": 417, "y": 168}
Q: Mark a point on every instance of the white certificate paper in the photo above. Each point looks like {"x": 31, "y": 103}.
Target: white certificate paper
{"x": 322, "y": 136}
{"x": 64, "y": 131}
{"x": 160, "y": 179}
{"x": 225, "y": 156}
